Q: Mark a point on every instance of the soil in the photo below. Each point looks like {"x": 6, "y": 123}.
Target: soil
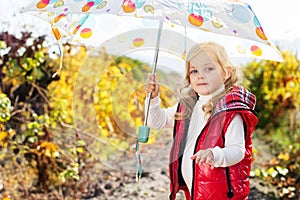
{"x": 154, "y": 184}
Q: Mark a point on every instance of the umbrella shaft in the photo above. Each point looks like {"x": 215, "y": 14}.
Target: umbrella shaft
{"x": 148, "y": 97}
{"x": 157, "y": 48}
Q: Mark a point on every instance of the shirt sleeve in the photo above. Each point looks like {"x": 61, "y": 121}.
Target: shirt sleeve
{"x": 234, "y": 149}
{"x": 158, "y": 117}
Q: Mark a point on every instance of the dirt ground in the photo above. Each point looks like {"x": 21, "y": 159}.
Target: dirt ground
{"x": 154, "y": 185}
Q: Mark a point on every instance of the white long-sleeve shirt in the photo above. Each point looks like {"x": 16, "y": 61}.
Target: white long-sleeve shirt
{"x": 232, "y": 153}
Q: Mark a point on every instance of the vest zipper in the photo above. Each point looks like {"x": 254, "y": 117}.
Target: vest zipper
{"x": 194, "y": 162}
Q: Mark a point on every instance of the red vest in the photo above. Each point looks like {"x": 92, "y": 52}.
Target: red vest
{"x": 211, "y": 184}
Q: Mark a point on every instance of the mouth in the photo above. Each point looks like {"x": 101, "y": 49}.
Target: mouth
{"x": 202, "y": 84}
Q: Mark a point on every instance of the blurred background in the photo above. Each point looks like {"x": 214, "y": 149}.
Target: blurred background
{"x": 72, "y": 136}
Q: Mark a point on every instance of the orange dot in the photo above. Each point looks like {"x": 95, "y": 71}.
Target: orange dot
{"x": 260, "y": 32}
{"x": 195, "y": 20}
{"x": 41, "y": 5}
{"x": 56, "y": 19}
{"x": 128, "y": 6}
{"x": 56, "y": 33}
{"x": 76, "y": 29}
{"x": 87, "y": 6}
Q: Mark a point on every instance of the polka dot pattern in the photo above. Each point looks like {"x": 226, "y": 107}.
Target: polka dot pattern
{"x": 232, "y": 17}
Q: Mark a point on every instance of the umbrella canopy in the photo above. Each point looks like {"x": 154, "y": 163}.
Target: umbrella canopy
{"x": 81, "y": 21}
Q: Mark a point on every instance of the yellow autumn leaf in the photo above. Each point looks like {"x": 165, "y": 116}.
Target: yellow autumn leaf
{"x": 48, "y": 153}
{"x": 272, "y": 172}
{"x": 3, "y": 135}
{"x": 79, "y": 149}
{"x": 284, "y": 156}
{"x": 50, "y": 148}
{"x": 11, "y": 132}
{"x": 273, "y": 161}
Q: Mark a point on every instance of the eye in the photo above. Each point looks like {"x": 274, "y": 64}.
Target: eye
{"x": 194, "y": 71}
{"x": 208, "y": 69}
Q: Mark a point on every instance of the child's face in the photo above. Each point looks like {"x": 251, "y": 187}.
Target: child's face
{"x": 206, "y": 75}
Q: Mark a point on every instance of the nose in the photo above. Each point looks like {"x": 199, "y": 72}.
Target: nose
{"x": 199, "y": 75}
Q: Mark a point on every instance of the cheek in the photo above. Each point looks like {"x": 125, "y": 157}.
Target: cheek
{"x": 216, "y": 77}
{"x": 219, "y": 75}
{"x": 191, "y": 79}
{"x": 194, "y": 80}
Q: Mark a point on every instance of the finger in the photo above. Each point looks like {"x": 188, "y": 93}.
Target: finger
{"x": 153, "y": 87}
{"x": 148, "y": 89}
{"x": 151, "y": 77}
{"x": 201, "y": 160}
{"x": 154, "y": 78}
{"x": 208, "y": 161}
{"x": 197, "y": 160}
{"x": 150, "y": 82}
{"x": 150, "y": 85}
{"x": 211, "y": 164}
{"x": 156, "y": 87}
{"x": 194, "y": 156}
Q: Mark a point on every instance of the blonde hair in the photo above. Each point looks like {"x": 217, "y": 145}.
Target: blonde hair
{"x": 219, "y": 54}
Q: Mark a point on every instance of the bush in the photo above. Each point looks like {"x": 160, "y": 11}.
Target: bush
{"x": 277, "y": 88}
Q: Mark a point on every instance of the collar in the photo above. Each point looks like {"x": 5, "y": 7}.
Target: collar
{"x": 206, "y": 98}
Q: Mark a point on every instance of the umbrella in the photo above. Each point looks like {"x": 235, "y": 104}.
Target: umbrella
{"x": 231, "y": 23}
{"x": 79, "y": 20}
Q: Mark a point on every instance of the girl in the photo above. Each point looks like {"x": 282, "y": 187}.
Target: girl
{"x": 213, "y": 122}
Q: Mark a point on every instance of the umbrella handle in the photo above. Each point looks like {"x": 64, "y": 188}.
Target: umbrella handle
{"x": 143, "y": 134}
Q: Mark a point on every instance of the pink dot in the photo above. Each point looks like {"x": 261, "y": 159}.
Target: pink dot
{"x": 45, "y": 1}
{"x": 90, "y": 4}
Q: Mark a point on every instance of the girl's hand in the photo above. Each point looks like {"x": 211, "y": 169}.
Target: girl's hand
{"x": 204, "y": 156}
{"x": 152, "y": 86}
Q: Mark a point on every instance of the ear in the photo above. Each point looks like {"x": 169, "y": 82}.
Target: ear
{"x": 227, "y": 70}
